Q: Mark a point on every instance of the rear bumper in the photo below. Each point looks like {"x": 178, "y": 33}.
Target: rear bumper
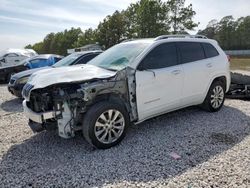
{"x": 40, "y": 117}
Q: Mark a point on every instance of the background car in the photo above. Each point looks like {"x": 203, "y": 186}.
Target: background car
{"x": 28, "y": 63}
{"x": 12, "y": 57}
{"x": 17, "y": 81}
{"x": 42, "y": 61}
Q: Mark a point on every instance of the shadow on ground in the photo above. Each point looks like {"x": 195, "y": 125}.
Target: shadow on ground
{"x": 143, "y": 155}
{"x": 13, "y": 105}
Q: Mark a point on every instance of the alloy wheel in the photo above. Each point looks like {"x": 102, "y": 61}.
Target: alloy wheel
{"x": 217, "y": 97}
{"x": 109, "y": 126}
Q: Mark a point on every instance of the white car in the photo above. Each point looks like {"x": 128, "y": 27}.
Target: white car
{"x": 12, "y": 57}
{"x": 130, "y": 82}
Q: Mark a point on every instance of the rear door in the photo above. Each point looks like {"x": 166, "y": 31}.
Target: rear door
{"x": 196, "y": 72}
{"x": 159, "y": 81}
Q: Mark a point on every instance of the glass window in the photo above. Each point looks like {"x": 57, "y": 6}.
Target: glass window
{"x": 85, "y": 59}
{"x": 210, "y": 50}
{"x": 191, "y": 51}
{"x": 57, "y": 59}
{"x": 164, "y": 55}
{"x": 119, "y": 56}
{"x": 68, "y": 60}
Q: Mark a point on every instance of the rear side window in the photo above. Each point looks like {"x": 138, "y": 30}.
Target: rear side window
{"x": 191, "y": 51}
{"x": 162, "y": 56}
{"x": 210, "y": 50}
{"x": 57, "y": 59}
{"x": 86, "y": 59}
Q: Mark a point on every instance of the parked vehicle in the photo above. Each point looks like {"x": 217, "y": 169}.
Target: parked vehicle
{"x": 12, "y": 57}
{"x": 29, "y": 63}
{"x": 130, "y": 82}
{"x": 6, "y": 72}
{"x": 18, "y": 80}
{"x": 42, "y": 60}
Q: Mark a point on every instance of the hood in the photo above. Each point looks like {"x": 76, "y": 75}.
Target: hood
{"x": 47, "y": 77}
{"x": 28, "y": 72}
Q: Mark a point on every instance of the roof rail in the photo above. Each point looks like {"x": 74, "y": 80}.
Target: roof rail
{"x": 180, "y": 36}
{"x": 128, "y": 40}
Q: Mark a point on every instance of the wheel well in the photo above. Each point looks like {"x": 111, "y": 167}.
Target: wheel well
{"x": 111, "y": 97}
{"x": 221, "y": 79}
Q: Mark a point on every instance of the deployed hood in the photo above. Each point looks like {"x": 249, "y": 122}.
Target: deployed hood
{"x": 47, "y": 77}
{"x": 28, "y": 72}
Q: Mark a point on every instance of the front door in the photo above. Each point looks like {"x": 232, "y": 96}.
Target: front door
{"x": 159, "y": 81}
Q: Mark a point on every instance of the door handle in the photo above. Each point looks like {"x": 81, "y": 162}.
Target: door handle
{"x": 209, "y": 65}
{"x": 176, "y": 72}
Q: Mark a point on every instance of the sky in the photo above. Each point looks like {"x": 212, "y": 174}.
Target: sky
{"x": 25, "y": 22}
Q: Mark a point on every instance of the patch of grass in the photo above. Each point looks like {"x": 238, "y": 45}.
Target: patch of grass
{"x": 240, "y": 64}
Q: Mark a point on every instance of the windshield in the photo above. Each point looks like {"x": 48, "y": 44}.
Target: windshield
{"x": 119, "y": 56}
{"x": 68, "y": 60}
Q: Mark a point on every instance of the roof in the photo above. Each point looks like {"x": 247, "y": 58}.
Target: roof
{"x": 89, "y": 52}
{"x": 172, "y": 38}
{"x": 18, "y": 51}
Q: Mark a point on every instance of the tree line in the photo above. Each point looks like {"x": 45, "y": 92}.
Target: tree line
{"x": 147, "y": 19}
{"x": 230, "y": 33}
{"x": 143, "y": 19}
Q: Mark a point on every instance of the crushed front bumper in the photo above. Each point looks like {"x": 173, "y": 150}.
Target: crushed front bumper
{"x": 37, "y": 117}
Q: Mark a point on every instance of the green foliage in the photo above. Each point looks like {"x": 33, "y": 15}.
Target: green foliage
{"x": 181, "y": 16}
{"x": 143, "y": 19}
{"x": 112, "y": 30}
{"x": 147, "y": 18}
{"x": 230, "y": 33}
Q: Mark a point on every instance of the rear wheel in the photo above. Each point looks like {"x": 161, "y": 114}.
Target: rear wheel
{"x": 215, "y": 97}
{"x": 105, "y": 124}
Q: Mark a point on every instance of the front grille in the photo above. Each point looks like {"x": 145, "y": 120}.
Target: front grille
{"x": 26, "y": 89}
{"x": 12, "y": 81}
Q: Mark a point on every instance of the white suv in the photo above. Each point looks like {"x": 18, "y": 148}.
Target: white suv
{"x": 130, "y": 82}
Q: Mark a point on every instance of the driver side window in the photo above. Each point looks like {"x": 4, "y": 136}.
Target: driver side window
{"x": 162, "y": 56}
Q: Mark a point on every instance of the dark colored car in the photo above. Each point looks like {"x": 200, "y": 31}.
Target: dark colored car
{"x": 17, "y": 81}
{"x": 29, "y": 63}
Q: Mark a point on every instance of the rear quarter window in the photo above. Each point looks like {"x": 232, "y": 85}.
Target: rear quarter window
{"x": 210, "y": 50}
{"x": 191, "y": 51}
{"x": 57, "y": 59}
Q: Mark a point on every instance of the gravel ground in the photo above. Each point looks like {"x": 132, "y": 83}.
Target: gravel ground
{"x": 214, "y": 150}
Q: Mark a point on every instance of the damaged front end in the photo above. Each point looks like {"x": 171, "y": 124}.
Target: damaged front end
{"x": 62, "y": 106}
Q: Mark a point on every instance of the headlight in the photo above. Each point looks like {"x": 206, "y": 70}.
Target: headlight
{"x": 23, "y": 80}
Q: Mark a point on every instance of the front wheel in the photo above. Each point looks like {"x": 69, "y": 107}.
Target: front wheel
{"x": 105, "y": 124}
{"x": 215, "y": 97}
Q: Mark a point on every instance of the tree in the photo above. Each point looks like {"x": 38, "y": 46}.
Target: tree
{"x": 147, "y": 18}
{"x": 89, "y": 36}
{"x": 29, "y": 46}
{"x": 112, "y": 30}
{"x": 210, "y": 30}
{"x": 181, "y": 17}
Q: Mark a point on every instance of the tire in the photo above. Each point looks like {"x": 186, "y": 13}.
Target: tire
{"x": 215, "y": 97}
{"x": 239, "y": 78}
{"x": 100, "y": 124}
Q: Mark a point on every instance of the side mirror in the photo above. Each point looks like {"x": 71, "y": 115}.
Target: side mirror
{"x": 141, "y": 66}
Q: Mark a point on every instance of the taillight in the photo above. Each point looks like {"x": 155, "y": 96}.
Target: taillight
{"x": 228, "y": 58}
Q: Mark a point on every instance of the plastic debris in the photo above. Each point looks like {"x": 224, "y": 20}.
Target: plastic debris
{"x": 175, "y": 155}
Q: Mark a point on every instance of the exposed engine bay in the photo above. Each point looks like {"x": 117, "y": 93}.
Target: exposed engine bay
{"x": 68, "y": 102}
